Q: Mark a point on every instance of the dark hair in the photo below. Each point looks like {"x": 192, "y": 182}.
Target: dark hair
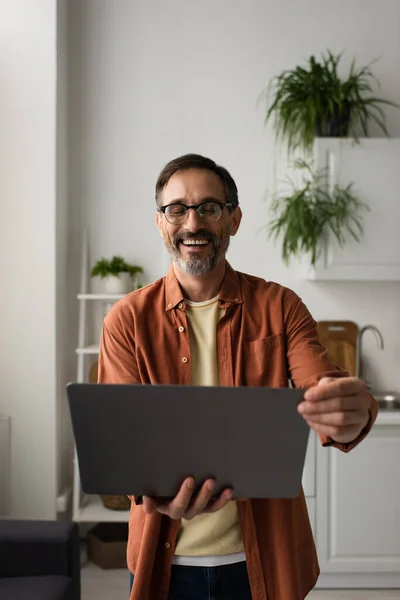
{"x": 196, "y": 161}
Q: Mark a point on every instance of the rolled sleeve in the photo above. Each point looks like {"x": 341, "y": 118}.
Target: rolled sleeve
{"x": 308, "y": 362}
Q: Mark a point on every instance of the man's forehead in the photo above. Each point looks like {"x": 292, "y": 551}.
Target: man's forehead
{"x": 194, "y": 184}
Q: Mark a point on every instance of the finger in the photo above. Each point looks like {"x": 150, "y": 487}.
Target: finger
{"x": 149, "y": 505}
{"x": 334, "y": 432}
{"x": 202, "y": 500}
{"x": 220, "y": 502}
{"x": 326, "y": 380}
{"x": 341, "y": 419}
{"x": 331, "y": 405}
{"x": 345, "y": 386}
{"x": 329, "y": 387}
{"x": 178, "y": 506}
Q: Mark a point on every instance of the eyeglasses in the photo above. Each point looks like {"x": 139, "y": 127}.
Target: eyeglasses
{"x": 209, "y": 212}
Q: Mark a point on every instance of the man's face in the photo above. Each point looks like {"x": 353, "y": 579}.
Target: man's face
{"x": 191, "y": 187}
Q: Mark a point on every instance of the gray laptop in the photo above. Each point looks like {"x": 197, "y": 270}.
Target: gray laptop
{"x": 145, "y": 439}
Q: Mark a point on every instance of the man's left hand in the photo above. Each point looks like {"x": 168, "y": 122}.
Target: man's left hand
{"x": 337, "y": 408}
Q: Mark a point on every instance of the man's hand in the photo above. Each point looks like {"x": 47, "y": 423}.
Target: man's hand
{"x": 183, "y": 506}
{"x": 337, "y": 408}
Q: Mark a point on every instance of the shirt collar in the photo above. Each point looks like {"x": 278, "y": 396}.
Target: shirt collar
{"x": 230, "y": 290}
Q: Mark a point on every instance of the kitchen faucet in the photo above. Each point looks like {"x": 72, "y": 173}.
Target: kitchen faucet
{"x": 379, "y": 341}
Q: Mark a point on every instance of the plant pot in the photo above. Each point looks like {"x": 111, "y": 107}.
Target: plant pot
{"x": 337, "y": 125}
{"x": 122, "y": 284}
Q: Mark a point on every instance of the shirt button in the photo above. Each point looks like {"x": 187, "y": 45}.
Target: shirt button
{"x": 237, "y": 299}
{"x": 168, "y": 545}
{"x": 180, "y": 305}
{"x": 184, "y": 359}
{"x": 181, "y": 329}
{"x": 169, "y": 304}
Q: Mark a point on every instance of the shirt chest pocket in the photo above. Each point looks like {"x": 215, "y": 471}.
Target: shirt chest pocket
{"x": 265, "y": 362}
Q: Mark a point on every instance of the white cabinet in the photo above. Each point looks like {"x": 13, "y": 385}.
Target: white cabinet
{"x": 358, "y": 509}
{"x": 311, "y": 514}
{"x": 374, "y": 168}
{"x": 308, "y": 480}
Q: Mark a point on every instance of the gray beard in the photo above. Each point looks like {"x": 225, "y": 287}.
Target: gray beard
{"x": 196, "y": 265}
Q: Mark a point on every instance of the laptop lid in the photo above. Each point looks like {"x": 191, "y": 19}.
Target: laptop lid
{"x": 146, "y": 439}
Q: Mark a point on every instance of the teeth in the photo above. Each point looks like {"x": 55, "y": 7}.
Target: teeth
{"x": 195, "y": 242}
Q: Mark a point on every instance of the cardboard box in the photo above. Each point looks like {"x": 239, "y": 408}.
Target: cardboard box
{"x": 106, "y": 545}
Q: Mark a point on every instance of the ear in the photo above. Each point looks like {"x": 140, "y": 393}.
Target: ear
{"x": 159, "y": 223}
{"x": 236, "y": 217}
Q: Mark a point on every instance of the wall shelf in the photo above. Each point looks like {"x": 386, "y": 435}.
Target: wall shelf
{"x": 92, "y": 510}
{"x": 105, "y": 297}
{"x": 93, "y": 349}
{"x": 373, "y": 168}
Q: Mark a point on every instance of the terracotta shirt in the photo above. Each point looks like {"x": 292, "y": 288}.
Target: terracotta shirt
{"x": 265, "y": 338}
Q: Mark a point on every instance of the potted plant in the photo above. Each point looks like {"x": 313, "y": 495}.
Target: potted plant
{"x": 309, "y": 211}
{"x": 313, "y": 101}
{"x": 118, "y": 276}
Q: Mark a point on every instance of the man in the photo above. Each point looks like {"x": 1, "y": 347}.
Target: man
{"x": 206, "y": 324}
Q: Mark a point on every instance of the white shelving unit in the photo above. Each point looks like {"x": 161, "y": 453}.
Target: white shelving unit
{"x": 89, "y": 508}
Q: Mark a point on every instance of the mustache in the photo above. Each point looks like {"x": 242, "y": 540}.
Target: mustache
{"x": 201, "y": 234}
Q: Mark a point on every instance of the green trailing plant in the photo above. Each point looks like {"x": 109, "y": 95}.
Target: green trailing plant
{"x": 314, "y": 101}
{"x": 114, "y": 267}
{"x": 303, "y": 216}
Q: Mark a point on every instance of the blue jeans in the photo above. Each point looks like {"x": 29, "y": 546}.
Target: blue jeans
{"x": 227, "y": 582}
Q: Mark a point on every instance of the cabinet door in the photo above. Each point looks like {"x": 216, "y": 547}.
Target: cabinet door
{"x": 311, "y": 513}
{"x": 374, "y": 168}
{"x": 358, "y": 505}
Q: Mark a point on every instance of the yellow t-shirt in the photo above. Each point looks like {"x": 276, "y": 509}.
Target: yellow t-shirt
{"x": 217, "y": 533}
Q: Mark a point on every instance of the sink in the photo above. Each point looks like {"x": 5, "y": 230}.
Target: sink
{"x": 392, "y": 405}
{"x": 386, "y": 400}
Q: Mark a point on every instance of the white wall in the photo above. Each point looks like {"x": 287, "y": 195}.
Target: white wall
{"x": 27, "y": 248}
{"x": 152, "y": 80}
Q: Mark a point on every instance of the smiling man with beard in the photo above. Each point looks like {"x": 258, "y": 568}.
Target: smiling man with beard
{"x": 206, "y": 324}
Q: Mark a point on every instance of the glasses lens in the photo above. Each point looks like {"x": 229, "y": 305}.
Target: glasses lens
{"x": 176, "y": 213}
{"x": 209, "y": 211}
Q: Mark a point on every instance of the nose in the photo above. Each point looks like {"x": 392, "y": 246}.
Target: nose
{"x": 193, "y": 220}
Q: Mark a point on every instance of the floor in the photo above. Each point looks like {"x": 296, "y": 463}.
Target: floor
{"x": 99, "y": 584}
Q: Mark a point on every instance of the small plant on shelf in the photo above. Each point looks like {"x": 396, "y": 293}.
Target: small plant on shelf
{"x": 310, "y": 210}
{"x": 118, "y": 275}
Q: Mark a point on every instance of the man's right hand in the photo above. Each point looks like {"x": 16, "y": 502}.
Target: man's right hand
{"x": 184, "y": 506}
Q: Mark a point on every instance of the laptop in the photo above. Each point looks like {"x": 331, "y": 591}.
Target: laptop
{"x": 146, "y": 439}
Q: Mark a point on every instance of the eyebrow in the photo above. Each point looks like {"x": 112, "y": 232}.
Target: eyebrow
{"x": 184, "y": 201}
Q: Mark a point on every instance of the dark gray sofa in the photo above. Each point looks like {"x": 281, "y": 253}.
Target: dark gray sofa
{"x": 39, "y": 560}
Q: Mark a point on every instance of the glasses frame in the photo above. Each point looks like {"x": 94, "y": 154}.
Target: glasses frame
{"x": 222, "y": 205}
